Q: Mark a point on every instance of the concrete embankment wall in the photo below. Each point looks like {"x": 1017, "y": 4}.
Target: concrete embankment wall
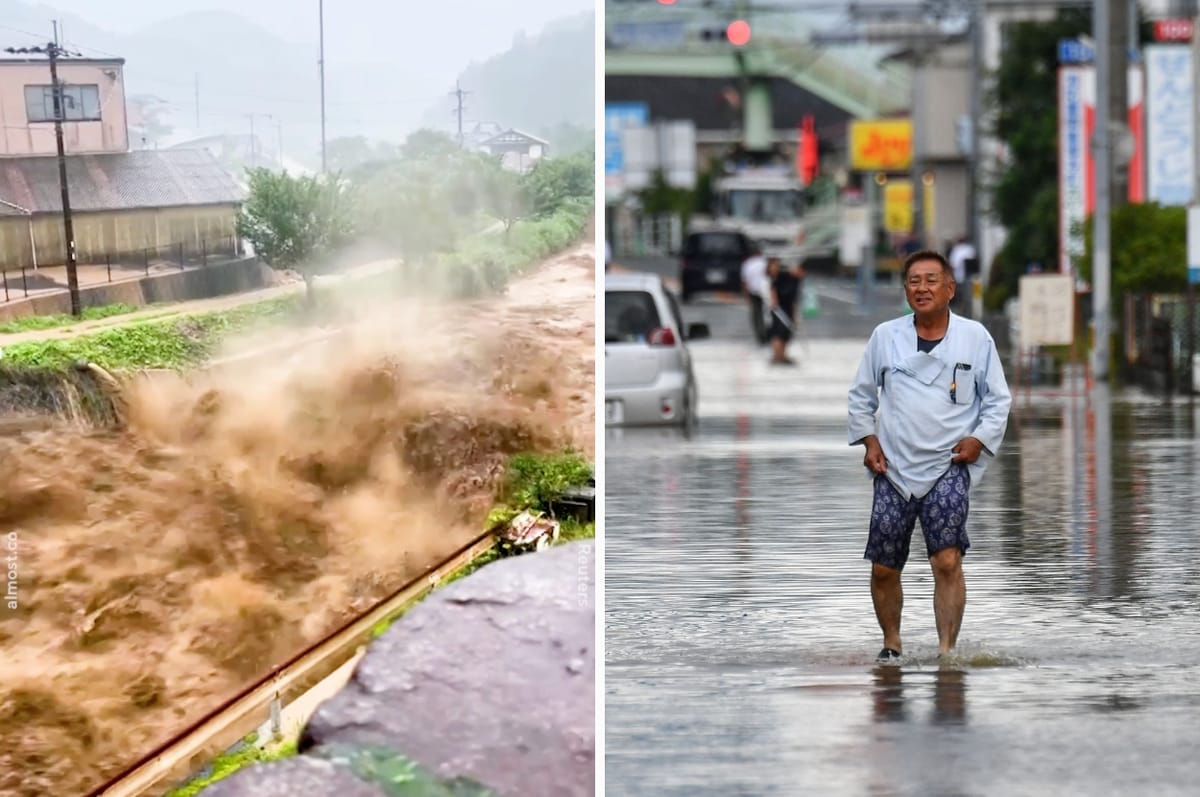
{"x": 221, "y": 279}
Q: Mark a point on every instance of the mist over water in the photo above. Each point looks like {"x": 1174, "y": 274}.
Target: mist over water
{"x": 243, "y": 513}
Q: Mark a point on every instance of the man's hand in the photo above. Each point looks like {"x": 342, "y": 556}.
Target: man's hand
{"x": 967, "y": 451}
{"x": 874, "y": 458}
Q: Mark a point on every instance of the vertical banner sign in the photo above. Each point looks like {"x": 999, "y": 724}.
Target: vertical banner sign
{"x": 898, "y": 206}
{"x": 1169, "y": 123}
{"x": 1072, "y": 163}
{"x": 616, "y": 117}
{"x": 1076, "y": 175}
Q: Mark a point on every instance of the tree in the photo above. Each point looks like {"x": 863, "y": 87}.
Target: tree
{"x": 1152, "y": 251}
{"x": 293, "y": 222}
{"x": 556, "y": 180}
{"x": 426, "y": 144}
{"x": 409, "y": 205}
{"x": 661, "y": 198}
{"x": 1025, "y": 196}
{"x": 505, "y": 195}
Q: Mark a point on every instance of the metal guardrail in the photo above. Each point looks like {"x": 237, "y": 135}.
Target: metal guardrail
{"x": 185, "y": 753}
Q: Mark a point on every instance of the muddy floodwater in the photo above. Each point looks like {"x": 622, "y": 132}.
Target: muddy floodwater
{"x": 739, "y": 628}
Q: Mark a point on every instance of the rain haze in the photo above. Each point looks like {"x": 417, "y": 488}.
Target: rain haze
{"x": 203, "y": 68}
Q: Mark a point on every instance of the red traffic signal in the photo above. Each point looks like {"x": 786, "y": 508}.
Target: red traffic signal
{"x": 738, "y": 33}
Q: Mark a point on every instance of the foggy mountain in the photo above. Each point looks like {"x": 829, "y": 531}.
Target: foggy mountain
{"x": 196, "y": 67}
{"x": 541, "y": 84}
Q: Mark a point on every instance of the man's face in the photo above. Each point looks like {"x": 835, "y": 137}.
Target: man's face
{"x": 928, "y": 288}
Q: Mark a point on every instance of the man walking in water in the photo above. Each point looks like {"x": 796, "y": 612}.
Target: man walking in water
{"x": 939, "y": 388}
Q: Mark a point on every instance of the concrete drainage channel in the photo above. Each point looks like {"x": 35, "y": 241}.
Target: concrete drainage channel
{"x": 279, "y": 706}
{"x": 291, "y": 690}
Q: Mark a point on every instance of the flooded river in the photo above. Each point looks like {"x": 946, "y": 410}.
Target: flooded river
{"x": 740, "y": 633}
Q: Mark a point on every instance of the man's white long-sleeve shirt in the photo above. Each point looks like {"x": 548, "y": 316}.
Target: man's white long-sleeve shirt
{"x": 919, "y": 421}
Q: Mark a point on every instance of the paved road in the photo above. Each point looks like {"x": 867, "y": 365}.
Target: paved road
{"x": 739, "y": 630}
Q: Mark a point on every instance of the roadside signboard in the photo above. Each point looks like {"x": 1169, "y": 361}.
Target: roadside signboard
{"x": 1047, "y": 309}
{"x": 881, "y": 145}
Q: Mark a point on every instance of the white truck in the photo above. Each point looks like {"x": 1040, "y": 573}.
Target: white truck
{"x": 769, "y": 206}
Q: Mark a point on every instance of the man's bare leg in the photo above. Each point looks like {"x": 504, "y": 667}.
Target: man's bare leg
{"x": 888, "y": 597}
{"x": 949, "y": 596}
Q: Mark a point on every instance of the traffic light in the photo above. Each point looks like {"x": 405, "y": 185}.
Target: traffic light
{"x": 736, "y": 33}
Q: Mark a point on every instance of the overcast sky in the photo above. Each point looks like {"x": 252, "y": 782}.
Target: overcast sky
{"x": 444, "y": 34}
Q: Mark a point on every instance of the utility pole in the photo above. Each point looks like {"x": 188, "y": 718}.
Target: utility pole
{"x": 974, "y": 187}
{"x": 1118, "y": 96}
{"x": 54, "y": 52}
{"x": 1102, "y": 160}
{"x": 1194, "y": 208}
{"x": 321, "y": 65}
{"x": 459, "y": 94}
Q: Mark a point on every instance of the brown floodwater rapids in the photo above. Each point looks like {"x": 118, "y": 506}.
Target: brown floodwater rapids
{"x": 243, "y": 513}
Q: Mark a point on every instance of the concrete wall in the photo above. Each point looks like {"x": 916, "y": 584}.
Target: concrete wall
{"x": 112, "y": 232}
{"x": 20, "y": 137}
{"x": 236, "y": 276}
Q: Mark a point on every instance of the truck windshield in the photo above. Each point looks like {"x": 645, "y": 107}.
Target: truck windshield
{"x": 764, "y": 205}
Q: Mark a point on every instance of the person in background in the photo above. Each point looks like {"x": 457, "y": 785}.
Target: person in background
{"x": 756, "y": 286}
{"x": 785, "y": 293}
{"x": 959, "y": 255}
{"x": 928, "y": 402}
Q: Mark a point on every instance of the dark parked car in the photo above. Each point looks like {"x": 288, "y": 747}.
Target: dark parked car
{"x": 712, "y": 261}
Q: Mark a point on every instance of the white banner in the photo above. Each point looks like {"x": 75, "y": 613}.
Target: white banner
{"x": 1169, "y": 123}
{"x": 1075, "y": 96}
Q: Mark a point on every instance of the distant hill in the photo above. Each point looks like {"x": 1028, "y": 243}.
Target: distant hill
{"x": 544, "y": 85}
{"x": 241, "y": 68}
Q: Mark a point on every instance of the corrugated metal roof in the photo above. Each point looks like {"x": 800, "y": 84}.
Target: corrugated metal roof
{"x": 119, "y": 181}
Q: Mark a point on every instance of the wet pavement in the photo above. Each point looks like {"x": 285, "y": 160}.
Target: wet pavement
{"x": 739, "y": 630}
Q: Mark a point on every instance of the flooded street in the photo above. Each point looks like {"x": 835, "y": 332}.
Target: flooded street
{"x": 740, "y": 634}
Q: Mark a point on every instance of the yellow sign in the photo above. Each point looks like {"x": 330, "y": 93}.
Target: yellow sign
{"x": 881, "y": 145}
{"x": 898, "y": 206}
{"x": 928, "y": 191}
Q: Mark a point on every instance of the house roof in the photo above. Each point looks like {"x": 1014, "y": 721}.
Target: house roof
{"x": 514, "y": 136}
{"x": 36, "y": 59}
{"x": 118, "y": 181}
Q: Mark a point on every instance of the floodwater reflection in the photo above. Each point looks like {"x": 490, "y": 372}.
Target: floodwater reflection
{"x": 740, "y": 637}
{"x": 895, "y": 692}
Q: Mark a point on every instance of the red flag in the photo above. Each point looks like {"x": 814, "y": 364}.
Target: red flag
{"x": 809, "y": 158}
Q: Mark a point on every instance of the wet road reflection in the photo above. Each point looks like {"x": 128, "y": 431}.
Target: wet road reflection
{"x": 740, "y": 635}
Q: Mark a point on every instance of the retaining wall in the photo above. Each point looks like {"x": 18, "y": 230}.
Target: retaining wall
{"x": 219, "y": 279}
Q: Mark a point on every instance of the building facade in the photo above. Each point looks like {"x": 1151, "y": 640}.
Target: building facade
{"x": 94, "y": 116}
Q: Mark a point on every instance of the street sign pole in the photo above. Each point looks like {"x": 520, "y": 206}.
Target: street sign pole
{"x": 1102, "y": 160}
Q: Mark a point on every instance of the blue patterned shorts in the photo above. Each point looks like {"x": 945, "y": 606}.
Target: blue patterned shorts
{"x": 943, "y": 514}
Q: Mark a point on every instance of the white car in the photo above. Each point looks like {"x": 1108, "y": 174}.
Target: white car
{"x": 648, "y": 376}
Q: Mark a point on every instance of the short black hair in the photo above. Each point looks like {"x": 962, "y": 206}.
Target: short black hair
{"x": 927, "y": 254}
